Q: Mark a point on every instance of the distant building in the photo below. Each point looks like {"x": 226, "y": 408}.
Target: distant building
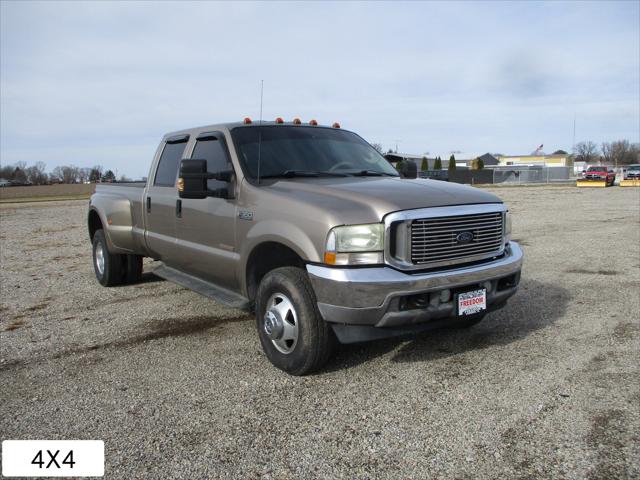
{"x": 395, "y": 157}
{"x": 554, "y": 160}
{"x": 463, "y": 160}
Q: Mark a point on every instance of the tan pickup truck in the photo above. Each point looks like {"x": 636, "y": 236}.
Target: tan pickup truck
{"x": 313, "y": 229}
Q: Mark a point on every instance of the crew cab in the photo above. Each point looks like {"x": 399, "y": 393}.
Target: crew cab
{"x": 600, "y": 172}
{"x": 312, "y": 229}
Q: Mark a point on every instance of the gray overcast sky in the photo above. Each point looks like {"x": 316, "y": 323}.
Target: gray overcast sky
{"x": 100, "y": 83}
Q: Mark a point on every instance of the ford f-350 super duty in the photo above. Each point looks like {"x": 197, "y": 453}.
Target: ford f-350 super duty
{"x": 314, "y": 230}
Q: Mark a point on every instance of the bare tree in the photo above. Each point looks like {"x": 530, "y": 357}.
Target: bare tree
{"x": 84, "y": 174}
{"x": 36, "y": 174}
{"x": 621, "y": 152}
{"x": 66, "y": 173}
{"x": 96, "y": 174}
{"x": 71, "y": 174}
{"x": 56, "y": 175}
{"x": 19, "y": 172}
{"x": 6, "y": 172}
{"x": 586, "y": 151}
{"x": 377, "y": 146}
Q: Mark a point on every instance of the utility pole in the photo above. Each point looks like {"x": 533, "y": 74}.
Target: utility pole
{"x": 573, "y": 146}
{"x": 397, "y": 145}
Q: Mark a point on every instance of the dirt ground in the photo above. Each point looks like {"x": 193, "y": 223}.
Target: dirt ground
{"x": 178, "y": 387}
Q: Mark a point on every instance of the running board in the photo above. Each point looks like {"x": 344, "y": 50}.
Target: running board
{"x": 210, "y": 290}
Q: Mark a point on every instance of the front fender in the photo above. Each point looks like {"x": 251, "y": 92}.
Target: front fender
{"x": 277, "y": 231}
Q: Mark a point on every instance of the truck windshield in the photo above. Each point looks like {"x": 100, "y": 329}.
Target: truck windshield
{"x": 317, "y": 150}
{"x": 597, "y": 169}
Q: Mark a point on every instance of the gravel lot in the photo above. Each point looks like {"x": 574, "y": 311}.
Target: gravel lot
{"x": 177, "y": 386}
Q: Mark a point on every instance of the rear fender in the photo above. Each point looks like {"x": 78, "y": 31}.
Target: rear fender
{"x": 115, "y": 215}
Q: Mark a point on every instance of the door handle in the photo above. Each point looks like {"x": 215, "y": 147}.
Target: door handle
{"x": 148, "y": 204}
{"x": 179, "y": 208}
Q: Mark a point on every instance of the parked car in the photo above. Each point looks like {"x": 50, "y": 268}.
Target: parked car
{"x": 600, "y": 172}
{"x": 311, "y": 228}
{"x": 632, "y": 172}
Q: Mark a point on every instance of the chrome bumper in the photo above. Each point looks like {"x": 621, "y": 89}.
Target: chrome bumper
{"x": 371, "y": 296}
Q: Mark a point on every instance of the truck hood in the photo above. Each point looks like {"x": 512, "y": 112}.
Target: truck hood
{"x": 369, "y": 199}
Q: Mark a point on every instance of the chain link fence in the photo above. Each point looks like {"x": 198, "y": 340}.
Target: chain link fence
{"x": 504, "y": 175}
{"x": 533, "y": 175}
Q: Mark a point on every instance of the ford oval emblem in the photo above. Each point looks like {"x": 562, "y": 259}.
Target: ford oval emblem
{"x": 464, "y": 237}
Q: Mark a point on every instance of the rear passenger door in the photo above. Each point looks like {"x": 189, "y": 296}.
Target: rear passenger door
{"x": 205, "y": 229}
{"x": 160, "y": 200}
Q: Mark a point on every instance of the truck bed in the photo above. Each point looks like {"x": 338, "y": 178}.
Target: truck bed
{"x": 121, "y": 184}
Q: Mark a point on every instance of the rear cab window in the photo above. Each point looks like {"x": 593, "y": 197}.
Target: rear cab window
{"x": 167, "y": 171}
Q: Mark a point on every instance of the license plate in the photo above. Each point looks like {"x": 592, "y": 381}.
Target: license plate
{"x": 472, "y": 302}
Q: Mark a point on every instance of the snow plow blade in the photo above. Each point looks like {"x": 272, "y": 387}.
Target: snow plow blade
{"x": 630, "y": 183}
{"x": 591, "y": 183}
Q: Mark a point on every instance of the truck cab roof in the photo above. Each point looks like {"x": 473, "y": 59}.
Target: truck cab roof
{"x": 228, "y": 126}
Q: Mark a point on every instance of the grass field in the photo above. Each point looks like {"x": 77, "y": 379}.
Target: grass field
{"x": 39, "y": 193}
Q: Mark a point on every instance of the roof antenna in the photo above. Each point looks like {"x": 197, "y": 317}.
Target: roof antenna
{"x": 260, "y": 129}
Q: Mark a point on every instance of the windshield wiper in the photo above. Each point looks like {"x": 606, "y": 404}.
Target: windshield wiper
{"x": 371, "y": 173}
{"x": 303, "y": 173}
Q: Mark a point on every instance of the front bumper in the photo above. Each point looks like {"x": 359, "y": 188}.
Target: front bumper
{"x": 385, "y": 297}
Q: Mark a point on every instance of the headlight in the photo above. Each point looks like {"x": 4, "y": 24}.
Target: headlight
{"x": 507, "y": 227}
{"x": 355, "y": 245}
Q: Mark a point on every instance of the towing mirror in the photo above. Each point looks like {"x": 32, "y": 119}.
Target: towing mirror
{"x": 192, "y": 182}
{"x": 408, "y": 169}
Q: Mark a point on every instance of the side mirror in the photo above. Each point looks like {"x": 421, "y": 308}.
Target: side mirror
{"x": 408, "y": 169}
{"x": 192, "y": 182}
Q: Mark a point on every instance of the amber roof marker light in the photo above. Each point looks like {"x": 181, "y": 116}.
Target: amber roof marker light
{"x": 247, "y": 121}
{"x": 313, "y": 122}
{"x": 279, "y": 120}
{"x": 297, "y": 121}
{"x": 336, "y": 125}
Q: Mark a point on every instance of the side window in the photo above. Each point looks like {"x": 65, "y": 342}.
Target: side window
{"x": 169, "y": 163}
{"x": 214, "y": 151}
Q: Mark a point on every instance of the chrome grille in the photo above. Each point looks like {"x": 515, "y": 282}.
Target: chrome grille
{"x": 438, "y": 240}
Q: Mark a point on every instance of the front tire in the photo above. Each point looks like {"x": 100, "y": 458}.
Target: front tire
{"x": 108, "y": 267}
{"x": 292, "y": 332}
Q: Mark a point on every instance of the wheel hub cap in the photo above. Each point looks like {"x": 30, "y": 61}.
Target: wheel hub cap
{"x": 280, "y": 323}
{"x": 100, "y": 258}
{"x": 273, "y": 326}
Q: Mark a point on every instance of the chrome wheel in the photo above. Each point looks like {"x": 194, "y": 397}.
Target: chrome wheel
{"x": 281, "y": 323}
{"x": 99, "y": 258}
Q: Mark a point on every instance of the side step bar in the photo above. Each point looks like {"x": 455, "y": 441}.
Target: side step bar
{"x": 210, "y": 290}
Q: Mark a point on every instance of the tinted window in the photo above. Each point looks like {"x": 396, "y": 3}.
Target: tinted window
{"x": 169, "y": 163}
{"x": 214, "y": 152}
{"x": 306, "y": 148}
